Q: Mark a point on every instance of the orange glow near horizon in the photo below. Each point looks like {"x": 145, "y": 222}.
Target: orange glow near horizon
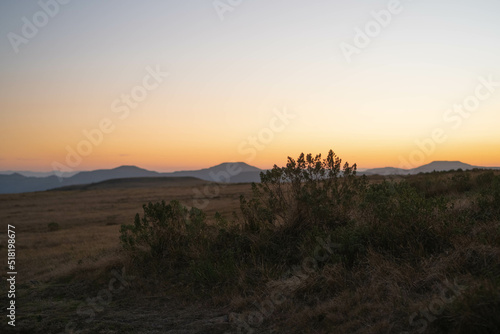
{"x": 191, "y": 158}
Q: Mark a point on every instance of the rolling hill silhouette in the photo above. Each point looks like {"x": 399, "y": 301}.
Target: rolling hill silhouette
{"x": 230, "y": 172}
{"x": 438, "y": 166}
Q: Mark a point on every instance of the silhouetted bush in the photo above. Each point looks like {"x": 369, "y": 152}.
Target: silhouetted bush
{"x": 308, "y": 191}
{"x": 53, "y": 226}
{"x": 293, "y": 205}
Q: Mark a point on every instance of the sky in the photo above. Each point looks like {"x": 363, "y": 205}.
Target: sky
{"x": 172, "y": 85}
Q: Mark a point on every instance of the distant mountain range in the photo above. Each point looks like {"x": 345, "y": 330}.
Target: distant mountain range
{"x": 229, "y": 172}
{"x": 437, "y": 166}
{"x": 37, "y": 174}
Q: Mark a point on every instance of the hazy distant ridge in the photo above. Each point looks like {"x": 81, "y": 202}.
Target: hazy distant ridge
{"x": 438, "y": 166}
{"x": 231, "y": 172}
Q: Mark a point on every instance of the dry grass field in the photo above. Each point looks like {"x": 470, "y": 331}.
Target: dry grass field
{"x": 89, "y": 221}
{"x": 400, "y": 248}
{"x": 79, "y": 257}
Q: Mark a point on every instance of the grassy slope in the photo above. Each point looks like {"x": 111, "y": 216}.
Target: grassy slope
{"x": 59, "y": 270}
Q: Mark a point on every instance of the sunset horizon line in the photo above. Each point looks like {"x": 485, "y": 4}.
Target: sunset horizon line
{"x": 200, "y": 167}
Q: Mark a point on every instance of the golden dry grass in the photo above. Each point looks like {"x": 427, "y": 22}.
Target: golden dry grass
{"x": 89, "y": 222}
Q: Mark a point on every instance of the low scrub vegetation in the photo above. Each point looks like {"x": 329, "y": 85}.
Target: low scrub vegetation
{"x": 53, "y": 226}
{"x": 345, "y": 253}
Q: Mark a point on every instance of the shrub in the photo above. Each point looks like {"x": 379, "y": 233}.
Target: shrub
{"x": 171, "y": 236}
{"x": 164, "y": 232}
{"x": 431, "y": 184}
{"x": 489, "y": 200}
{"x": 53, "y": 226}
{"x": 485, "y": 179}
{"x": 461, "y": 182}
{"x": 391, "y": 239}
{"x": 403, "y": 221}
{"x": 308, "y": 191}
{"x": 294, "y": 205}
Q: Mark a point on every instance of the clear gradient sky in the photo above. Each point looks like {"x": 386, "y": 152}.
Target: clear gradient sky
{"x": 228, "y": 77}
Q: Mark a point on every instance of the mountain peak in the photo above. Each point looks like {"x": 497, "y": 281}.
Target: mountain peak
{"x": 438, "y": 166}
{"x": 447, "y": 161}
{"x": 243, "y": 165}
{"x": 442, "y": 166}
{"x": 128, "y": 167}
